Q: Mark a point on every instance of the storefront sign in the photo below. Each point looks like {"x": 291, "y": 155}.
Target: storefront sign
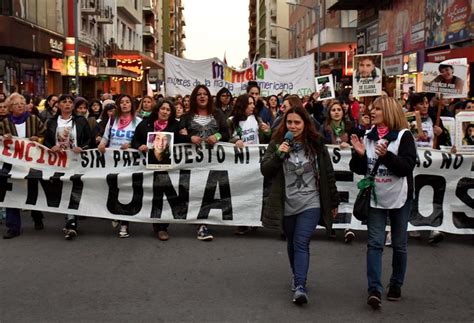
{"x": 56, "y": 46}
{"x": 441, "y": 55}
{"x": 71, "y": 66}
{"x": 393, "y": 65}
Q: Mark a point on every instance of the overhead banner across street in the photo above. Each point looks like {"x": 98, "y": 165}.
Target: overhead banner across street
{"x": 215, "y": 185}
{"x": 294, "y": 76}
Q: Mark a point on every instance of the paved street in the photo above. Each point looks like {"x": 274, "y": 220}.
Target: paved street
{"x": 101, "y": 278}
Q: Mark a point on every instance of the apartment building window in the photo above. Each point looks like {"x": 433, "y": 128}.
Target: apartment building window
{"x": 91, "y": 28}
{"x": 124, "y": 35}
{"x": 83, "y": 24}
{"x": 136, "y": 4}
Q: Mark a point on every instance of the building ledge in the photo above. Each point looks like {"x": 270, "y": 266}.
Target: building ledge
{"x": 333, "y": 40}
{"x": 359, "y": 4}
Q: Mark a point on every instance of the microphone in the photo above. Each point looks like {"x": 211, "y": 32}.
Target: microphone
{"x": 288, "y": 138}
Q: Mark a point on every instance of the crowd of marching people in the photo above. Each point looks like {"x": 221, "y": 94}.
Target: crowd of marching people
{"x": 296, "y": 130}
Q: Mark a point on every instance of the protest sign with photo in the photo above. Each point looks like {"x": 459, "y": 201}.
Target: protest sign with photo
{"x": 325, "y": 87}
{"x": 160, "y": 146}
{"x": 414, "y": 122}
{"x": 465, "y": 131}
{"x": 367, "y": 76}
{"x": 447, "y": 79}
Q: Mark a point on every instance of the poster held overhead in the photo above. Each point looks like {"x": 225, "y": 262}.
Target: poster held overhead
{"x": 325, "y": 87}
{"x": 446, "y": 79}
{"x": 367, "y": 76}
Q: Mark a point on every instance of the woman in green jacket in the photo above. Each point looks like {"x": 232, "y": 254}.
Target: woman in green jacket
{"x": 303, "y": 189}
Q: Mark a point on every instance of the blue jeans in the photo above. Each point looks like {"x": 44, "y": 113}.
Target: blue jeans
{"x": 298, "y": 229}
{"x": 13, "y": 218}
{"x": 377, "y": 220}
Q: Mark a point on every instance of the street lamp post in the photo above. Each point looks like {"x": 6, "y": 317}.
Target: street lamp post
{"x": 317, "y": 13}
{"x": 293, "y": 33}
{"x": 76, "y": 45}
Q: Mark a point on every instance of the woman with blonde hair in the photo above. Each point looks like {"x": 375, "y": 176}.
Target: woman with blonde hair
{"x": 390, "y": 146}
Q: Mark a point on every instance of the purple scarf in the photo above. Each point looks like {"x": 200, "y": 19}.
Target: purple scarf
{"x": 20, "y": 119}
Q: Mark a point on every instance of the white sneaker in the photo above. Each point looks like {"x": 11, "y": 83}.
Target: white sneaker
{"x": 435, "y": 236}
{"x": 124, "y": 232}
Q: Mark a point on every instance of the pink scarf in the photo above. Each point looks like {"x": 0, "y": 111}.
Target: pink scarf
{"x": 159, "y": 125}
{"x": 124, "y": 122}
{"x": 382, "y": 131}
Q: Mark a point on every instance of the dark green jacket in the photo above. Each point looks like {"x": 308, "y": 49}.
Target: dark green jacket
{"x": 272, "y": 166}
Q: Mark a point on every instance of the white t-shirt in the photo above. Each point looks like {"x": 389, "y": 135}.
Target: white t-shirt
{"x": 21, "y": 130}
{"x": 391, "y": 190}
{"x": 116, "y": 137}
{"x": 66, "y": 136}
{"x": 249, "y": 130}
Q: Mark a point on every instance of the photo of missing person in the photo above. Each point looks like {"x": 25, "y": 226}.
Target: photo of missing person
{"x": 160, "y": 146}
{"x": 465, "y": 132}
{"x": 446, "y": 75}
{"x": 446, "y": 79}
{"x": 325, "y": 87}
{"x": 367, "y": 76}
{"x": 368, "y": 67}
{"x": 468, "y": 138}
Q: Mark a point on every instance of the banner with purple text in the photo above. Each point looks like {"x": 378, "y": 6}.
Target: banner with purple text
{"x": 217, "y": 184}
{"x": 294, "y": 76}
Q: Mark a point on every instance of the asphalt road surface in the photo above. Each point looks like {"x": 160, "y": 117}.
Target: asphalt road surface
{"x": 101, "y": 278}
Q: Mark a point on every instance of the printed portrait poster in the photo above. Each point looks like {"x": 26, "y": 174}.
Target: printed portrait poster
{"x": 160, "y": 148}
{"x": 465, "y": 131}
{"x": 414, "y": 122}
{"x": 449, "y": 124}
{"x": 367, "y": 76}
{"x": 325, "y": 87}
{"x": 445, "y": 79}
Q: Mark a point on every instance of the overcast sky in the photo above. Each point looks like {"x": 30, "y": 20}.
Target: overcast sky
{"x": 217, "y": 26}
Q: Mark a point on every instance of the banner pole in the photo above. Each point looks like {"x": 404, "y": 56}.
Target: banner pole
{"x": 438, "y": 118}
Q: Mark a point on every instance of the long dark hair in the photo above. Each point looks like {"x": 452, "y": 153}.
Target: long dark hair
{"x": 347, "y": 123}
{"x": 238, "y": 112}
{"x": 91, "y": 112}
{"x": 310, "y": 134}
{"x": 193, "y": 100}
{"x": 118, "y": 110}
{"x": 154, "y": 113}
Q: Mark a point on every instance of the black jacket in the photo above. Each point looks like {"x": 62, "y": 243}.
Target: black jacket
{"x": 83, "y": 132}
{"x": 187, "y": 119}
{"x": 401, "y": 165}
{"x": 140, "y": 136}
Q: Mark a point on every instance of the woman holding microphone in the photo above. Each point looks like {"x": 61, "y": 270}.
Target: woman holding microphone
{"x": 303, "y": 189}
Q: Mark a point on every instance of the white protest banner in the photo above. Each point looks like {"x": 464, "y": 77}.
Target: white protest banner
{"x": 367, "y": 76}
{"x": 216, "y": 185}
{"x": 448, "y": 79}
{"x": 293, "y": 76}
{"x": 325, "y": 87}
